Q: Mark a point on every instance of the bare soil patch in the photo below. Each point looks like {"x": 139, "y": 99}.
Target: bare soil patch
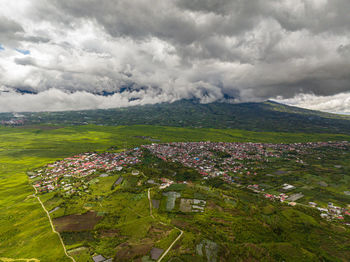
{"x": 128, "y": 252}
{"x": 110, "y": 233}
{"x": 181, "y": 224}
{"x": 220, "y": 220}
{"x": 158, "y": 231}
{"x": 73, "y": 223}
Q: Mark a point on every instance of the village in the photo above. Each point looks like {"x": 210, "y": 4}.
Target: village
{"x": 211, "y": 159}
{"x": 331, "y": 212}
{"x": 72, "y": 175}
{"x": 224, "y": 160}
{"x": 12, "y": 122}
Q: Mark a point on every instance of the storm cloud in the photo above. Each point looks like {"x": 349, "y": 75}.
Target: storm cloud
{"x": 142, "y": 52}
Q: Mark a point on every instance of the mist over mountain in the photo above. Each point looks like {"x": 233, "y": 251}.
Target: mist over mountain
{"x": 266, "y": 116}
{"x": 62, "y": 55}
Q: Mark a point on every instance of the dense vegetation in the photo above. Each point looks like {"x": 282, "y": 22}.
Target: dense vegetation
{"x": 25, "y": 231}
{"x": 267, "y": 116}
{"x": 240, "y": 225}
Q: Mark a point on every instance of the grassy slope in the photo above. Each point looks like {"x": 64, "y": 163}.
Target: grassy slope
{"x": 267, "y": 116}
{"x": 24, "y": 228}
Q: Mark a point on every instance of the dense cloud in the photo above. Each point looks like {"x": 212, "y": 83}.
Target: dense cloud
{"x": 9, "y": 31}
{"x": 153, "y": 51}
{"x": 339, "y": 103}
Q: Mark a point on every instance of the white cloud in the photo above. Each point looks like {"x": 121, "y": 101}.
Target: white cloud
{"x": 57, "y": 100}
{"x": 339, "y": 103}
{"x": 170, "y": 50}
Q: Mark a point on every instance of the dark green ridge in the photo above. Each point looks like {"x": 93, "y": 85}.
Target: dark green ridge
{"x": 265, "y": 116}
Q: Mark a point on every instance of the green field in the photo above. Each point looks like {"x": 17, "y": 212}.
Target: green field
{"x": 24, "y": 228}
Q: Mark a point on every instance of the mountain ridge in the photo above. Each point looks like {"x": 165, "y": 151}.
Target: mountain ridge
{"x": 254, "y": 116}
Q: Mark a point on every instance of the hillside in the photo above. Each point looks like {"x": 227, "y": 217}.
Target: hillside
{"x": 115, "y": 221}
{"x": 240, "y": 215}
{"x": 267, "y": 116}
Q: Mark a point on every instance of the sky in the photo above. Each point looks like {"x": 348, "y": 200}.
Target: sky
{"x": 86, "y": 54}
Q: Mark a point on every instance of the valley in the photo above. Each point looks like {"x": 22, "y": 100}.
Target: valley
{"x": 103, "y": 207}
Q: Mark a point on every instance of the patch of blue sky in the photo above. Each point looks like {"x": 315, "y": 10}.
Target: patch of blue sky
{"x": 22, "y": 51}
{"x": 1, "y": 48}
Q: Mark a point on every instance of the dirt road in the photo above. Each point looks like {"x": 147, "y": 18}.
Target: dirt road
{"x": 52, "y": 226}
{"x": 151, "y": 214}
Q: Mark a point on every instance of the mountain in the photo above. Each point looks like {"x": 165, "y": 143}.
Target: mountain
{"x": 202, "y": 201}
{"x": 265, "y": 116}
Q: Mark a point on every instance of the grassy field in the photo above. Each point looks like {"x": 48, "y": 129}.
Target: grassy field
{"x": 24, "y": 228}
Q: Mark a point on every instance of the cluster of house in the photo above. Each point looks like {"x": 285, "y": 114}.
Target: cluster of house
{"x": 72, "y": 174}
{"x": 281, "y": 197}
{"x": 165, "y": 183}
{"x": 332, "y": 211}
{"x": 257, "y": 189}
{"x": 12, "y": 122}
{"x": 203, "y": 157}
{"x": 213, "y": 159}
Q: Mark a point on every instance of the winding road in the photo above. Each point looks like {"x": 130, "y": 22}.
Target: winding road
{"x": 52, "y": 226}
{"x": 166, "y": 252}
{"x": 150, "y": 213}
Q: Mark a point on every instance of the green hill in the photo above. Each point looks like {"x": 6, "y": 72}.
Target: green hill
{"x": 238, "y": 224}
{"x": 266, "y": 116}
